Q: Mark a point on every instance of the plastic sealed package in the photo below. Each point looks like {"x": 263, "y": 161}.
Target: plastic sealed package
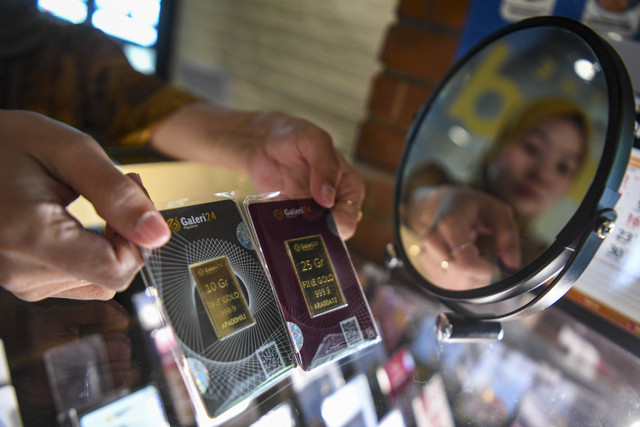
{"x": 321, "y": 297}
{"x": 213, "y": 291}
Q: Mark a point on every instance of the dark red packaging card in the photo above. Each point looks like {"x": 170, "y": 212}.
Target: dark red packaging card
{"x": 314, "y": 279}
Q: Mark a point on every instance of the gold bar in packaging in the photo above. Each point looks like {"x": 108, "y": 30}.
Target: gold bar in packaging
{"x": 222, "y": 296}
{"x": 315, "y": 274}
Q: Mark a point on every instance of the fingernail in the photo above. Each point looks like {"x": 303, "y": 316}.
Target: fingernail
{"x": 135, "y": 177}
{"x": 152, "y": 230}
{"x": 328, "y": 195}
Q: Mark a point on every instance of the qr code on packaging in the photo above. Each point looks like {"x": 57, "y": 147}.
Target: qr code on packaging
{"x": 351, "y": 331}
{"x": 270, "y": 359}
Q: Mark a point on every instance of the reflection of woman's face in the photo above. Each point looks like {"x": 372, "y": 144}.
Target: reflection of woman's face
{"x": 538, "y": 166}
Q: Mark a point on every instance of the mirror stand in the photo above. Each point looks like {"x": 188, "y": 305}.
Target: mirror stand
{"x": 452, "y": 327}
{"x": 455, "y": 328}
{"x": 463, "y": 325}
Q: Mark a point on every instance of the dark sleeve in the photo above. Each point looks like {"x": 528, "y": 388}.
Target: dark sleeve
{"x": 80, "y": 76}
{"x": 121, "y": 104}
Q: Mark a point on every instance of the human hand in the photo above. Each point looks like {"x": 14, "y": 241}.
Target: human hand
{"x": 471, "y": 235}
{"x": 299, "y": 159}
{"x": 44, "y": 251}
{"x": 279, "y": 152}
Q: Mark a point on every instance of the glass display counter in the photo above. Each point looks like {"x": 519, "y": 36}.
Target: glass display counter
{"x": 91, "y": 363}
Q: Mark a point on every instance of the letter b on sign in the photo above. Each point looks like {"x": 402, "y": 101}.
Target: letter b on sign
{"x": 486, "y": 83}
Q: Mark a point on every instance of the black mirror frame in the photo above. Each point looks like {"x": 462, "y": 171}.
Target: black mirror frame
{"x": 578, "y": 241}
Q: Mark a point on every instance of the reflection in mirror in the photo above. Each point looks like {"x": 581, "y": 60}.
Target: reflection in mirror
{"x": 501, "y": 157}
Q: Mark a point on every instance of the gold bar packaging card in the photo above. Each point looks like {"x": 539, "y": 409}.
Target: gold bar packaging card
{"x": 321, "y": 297}
{"x": 214, "y": 292}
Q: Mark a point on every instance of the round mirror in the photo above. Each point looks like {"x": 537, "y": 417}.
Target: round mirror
{"x": 511, "y": 168}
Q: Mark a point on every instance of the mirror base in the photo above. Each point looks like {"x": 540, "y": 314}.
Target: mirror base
{"x": 454, "y": 328}
{"x": 393, "y": 260}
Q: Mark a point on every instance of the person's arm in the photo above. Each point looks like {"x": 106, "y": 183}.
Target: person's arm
{"x": 279, "y": 152}
{"x": 44, "y": 251}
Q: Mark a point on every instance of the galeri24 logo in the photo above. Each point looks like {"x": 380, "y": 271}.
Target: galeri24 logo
{"x": 174, "y": 224}
{"x": 281, "y": 214}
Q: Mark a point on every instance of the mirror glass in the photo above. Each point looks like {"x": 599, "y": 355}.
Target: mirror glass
{"x": 500, "y": 158}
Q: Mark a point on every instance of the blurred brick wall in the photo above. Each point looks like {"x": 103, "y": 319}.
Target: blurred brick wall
{"x": 418, "y": 50}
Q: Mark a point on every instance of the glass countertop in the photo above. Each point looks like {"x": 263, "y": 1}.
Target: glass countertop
{"x": 91, "y": 363}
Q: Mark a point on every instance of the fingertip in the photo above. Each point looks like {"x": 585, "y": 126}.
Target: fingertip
{"x": 327, "y": 196}
{"x": 151, "y": 230}
{"x": 346, "y": 231}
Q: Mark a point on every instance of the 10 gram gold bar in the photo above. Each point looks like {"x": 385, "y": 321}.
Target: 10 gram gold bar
{"x": 222, "y": 296}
